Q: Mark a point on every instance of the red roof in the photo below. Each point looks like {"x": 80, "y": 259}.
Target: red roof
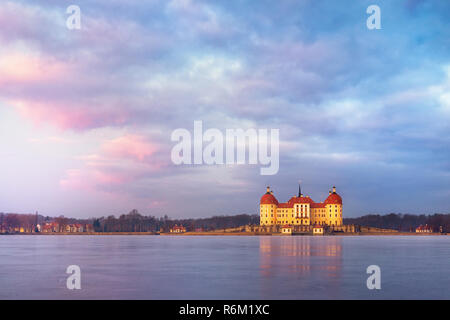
{"x": 268, "y": 198}
{"x": 425, "y": 227}
{"x": 286, "y": 226}
{"x": 318, "y": 226}
{"x": 318, "y": 205}
{"x": 333, "y": 198}
{"x": 300, "y": 200}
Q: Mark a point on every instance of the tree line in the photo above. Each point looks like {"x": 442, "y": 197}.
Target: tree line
{"x": 135, "y": 222}
{"x": 131, "y": 222}
{"x": 403, "y": 222}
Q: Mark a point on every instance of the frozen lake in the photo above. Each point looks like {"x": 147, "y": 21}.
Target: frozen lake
{"x": 224, "y": 267}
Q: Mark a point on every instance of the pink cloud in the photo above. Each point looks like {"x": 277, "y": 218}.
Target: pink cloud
{"x": 44, "y": 90}
{"x": 70, "y": 115}
{"x": 70, "y": 91}
{"x": 120, "y": 162}
{"x": 130, "y": 146}
{"x": 19, "y": 69}
{"x": 92, "y": 178}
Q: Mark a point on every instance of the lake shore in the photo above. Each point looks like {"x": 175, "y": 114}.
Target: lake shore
{"x": 279, "y": 234}
{"x": 224, "y": 234}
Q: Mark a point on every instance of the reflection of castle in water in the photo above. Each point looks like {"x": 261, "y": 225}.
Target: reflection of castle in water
{"x": 301, "y": 256}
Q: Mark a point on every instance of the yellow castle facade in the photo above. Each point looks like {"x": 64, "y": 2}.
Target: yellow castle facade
{"x": 301, "y": 210}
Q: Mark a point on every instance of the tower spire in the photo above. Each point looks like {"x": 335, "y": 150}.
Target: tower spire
{"x": 299, "y": 189}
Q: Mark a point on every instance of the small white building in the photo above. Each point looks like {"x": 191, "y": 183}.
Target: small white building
{"x": 318, "y": 230}
{"x": 424, "y": 229}
{"x": 286, "y": 229}
{"x": 178, "y": 229}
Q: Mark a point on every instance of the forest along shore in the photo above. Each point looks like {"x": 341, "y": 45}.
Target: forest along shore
{"x": 213, "y": 233}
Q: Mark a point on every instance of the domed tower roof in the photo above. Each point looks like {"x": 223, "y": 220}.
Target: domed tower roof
{"x": 268, "y": 198}
{"x": 333, "y": 198}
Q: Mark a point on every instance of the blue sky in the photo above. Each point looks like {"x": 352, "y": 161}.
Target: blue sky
{"x": 86, "y": 115}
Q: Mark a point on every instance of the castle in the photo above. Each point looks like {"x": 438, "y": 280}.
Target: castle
{"x": 301, "y": 210}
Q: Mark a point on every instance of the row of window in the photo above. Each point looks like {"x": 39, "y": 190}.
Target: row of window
{"x": 323, "y": 223}
{"x": 292, "y": 222}
{"x": 282, "y": 215}
{"x": 321, "y": 210}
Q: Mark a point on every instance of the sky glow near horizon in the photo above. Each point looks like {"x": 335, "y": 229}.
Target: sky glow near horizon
{"x": 86, "y": 115}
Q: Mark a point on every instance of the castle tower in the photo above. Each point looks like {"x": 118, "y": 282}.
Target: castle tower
{"x": 268, "y": 208}
{"x": 333, "y": 209}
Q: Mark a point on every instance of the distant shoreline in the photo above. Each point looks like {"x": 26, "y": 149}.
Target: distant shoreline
{"x": 222, "y": 234}
{"x": 81, "y": 234}
{"x": 300, "y": 235}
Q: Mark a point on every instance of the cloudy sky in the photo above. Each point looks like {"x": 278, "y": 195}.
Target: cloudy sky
{"x": 86, "y": 115}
